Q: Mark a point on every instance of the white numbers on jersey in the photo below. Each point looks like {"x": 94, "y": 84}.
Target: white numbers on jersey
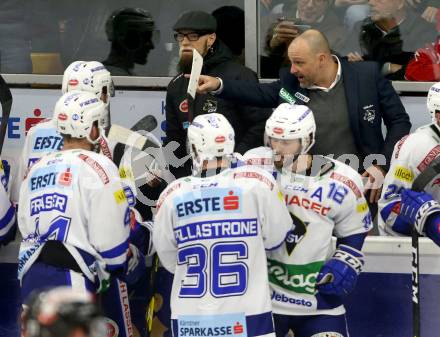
{"x": 226, "y": 279}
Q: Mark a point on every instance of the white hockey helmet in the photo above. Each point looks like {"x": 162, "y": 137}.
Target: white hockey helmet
{"x": 433, "y": 100}
{"x": 76, "y": 111}
{"x": 89, "y": 76}
{"x": 289, "y": 122}
{"x": 92, "y": 77}
{"x": 210, "y": 136}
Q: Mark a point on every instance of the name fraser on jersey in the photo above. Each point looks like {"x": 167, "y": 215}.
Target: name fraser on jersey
{"x": 216, "y": 229}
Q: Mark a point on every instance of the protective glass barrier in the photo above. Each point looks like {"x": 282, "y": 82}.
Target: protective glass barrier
{"x": 389, "y": 32}
{"x": 43, "y": 36}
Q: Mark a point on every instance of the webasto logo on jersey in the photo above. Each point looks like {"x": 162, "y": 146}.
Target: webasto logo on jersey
{"x": 296, "y": 278}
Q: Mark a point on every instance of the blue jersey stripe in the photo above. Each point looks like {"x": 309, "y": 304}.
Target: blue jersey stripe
{"x": 5, "y": 221}
{"x": 116, "y": 251}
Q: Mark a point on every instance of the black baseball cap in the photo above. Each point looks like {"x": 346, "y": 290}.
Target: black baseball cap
{"x": 197, "y": 21}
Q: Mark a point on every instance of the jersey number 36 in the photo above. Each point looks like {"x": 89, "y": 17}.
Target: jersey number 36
{"x": 227, "y": 268}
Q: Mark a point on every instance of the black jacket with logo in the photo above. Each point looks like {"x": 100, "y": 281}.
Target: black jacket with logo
{"x": 371, "y": 100}
{"x": 248, "y": 122}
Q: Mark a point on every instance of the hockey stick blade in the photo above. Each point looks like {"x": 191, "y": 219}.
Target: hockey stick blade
{"x": 128, "y": 137}
{"x": 147, "y": 123}
{"x": 6, "y": 103}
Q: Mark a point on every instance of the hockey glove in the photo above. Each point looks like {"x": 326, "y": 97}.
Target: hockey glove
{"x": 339, "y": 274}
{"x": 416, "y": 207}
{"x": 136, "y": 265}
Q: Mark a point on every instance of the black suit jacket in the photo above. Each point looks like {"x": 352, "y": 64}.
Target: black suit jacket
{"x": 371, "y": 100}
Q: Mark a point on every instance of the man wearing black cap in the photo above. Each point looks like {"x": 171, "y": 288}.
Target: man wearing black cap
{"x": 196, "y": 30}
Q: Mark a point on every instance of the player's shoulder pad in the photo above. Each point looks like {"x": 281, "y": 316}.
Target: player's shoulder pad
{"x": 169, "y": 190}
{"x": 102, "y": 166}
{"x": 419, "y": 148}
{"x": 247, "y": 175}
{"x": 258, "y": 156}
{"x": 347, "y": 176}
{"x": 45, "y": 124}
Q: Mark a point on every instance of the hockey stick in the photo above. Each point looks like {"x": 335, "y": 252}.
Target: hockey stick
{"x": 196, "y": 70}
{"x": 419, "y": 184}
{"x": 6, "y": 102}
{"x": 128, "y": 137}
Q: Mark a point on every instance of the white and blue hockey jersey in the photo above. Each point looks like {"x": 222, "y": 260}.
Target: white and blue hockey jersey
{"x": 211, "y": 233}
{"x": 40, "y": 140}
{"x": 75, "y": 197}
{"x": 329, "y": 201}
{"x": 411, "y": 155}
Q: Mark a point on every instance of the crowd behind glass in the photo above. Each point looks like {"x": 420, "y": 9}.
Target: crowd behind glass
{"x": 43, "y": 37}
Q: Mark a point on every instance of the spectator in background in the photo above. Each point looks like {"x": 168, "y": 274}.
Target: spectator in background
{"x": 297, "y": 17}
{"x": 427, "y": 8}
{"x": 196, "y": 29}
{"x": 130, "y": 31}
{"x": 230, "y": 29}
{"x": 425, "y": 66}
{"x": 354, "y": 11}
{"x": 390, "y": 36}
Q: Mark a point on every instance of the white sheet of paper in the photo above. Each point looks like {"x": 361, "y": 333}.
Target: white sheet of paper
{"x": 196, "y": 69}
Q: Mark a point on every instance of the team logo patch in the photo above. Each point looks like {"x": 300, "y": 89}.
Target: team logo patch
{"x": 403, "y": 174}
{"x": 183, "y": 106}
{"x": 369, "y": 113}
{"x": 210, "y": 106}
{"x": 75, "y": 117}
{"x": 295, "y": 236}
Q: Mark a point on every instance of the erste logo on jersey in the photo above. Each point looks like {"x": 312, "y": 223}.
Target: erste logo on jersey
{"x": 208, "y": 201}
{"x": 50, "y": 176}
{"x": 46, "y": 140}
